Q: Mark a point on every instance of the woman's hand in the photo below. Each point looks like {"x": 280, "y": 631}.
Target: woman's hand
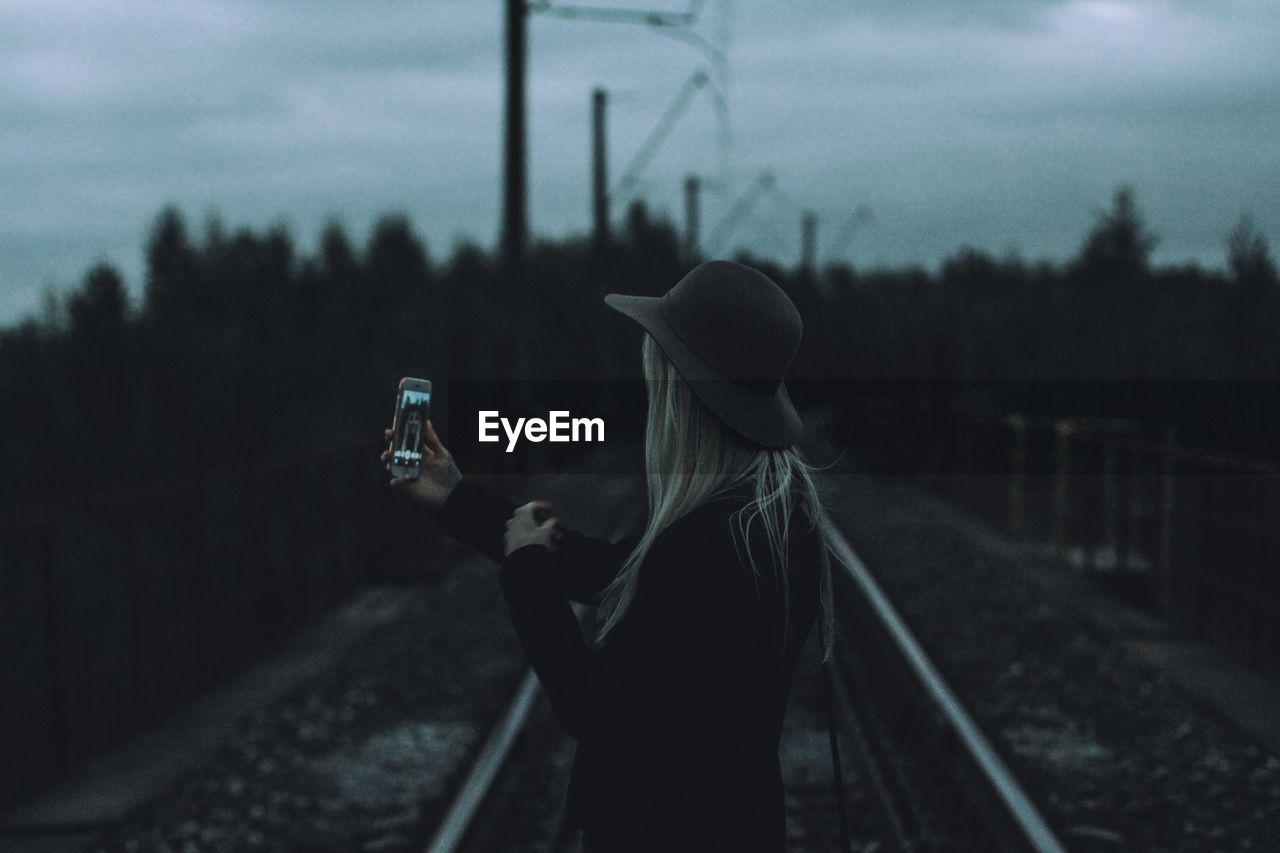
{"x": 531, "y": 524}
{"x": 439, "y": 473}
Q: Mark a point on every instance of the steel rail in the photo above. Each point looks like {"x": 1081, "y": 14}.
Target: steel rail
{"x": 453, "y": 829}
{"x": 1031, "y": 824}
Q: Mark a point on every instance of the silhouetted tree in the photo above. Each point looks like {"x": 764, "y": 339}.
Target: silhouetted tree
{"x": 406, "y": 329}
{"x": 337, "y": 255}
{"x": 100, "y": 374}
{"x": 1250, "y": 312}
{"x": 397, "y": 260}
{"x": 171, "y": 265}
{"x": 1119, "y": 247}
{"x": 338, "y": 287}
{"x": 1249, "y": 258}
{"x": 98, "y": 309}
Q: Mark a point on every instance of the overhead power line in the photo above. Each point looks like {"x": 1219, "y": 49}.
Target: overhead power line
{"x": 763, "y": 184}
{"x": 645, "y": 153}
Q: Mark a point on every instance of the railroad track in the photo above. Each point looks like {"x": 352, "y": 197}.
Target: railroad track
{"x": 478, "y": 785}
{"x": 938, "y": 783}
{"x": 515, "y": 786}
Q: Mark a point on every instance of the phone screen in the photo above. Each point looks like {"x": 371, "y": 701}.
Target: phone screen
{"x": 411, "y": 425}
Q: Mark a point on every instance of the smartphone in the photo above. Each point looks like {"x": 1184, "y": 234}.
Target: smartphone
{"x": 413, "y": 406}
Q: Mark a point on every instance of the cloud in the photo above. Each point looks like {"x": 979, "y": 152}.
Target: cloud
{"x": 986, "y": 123}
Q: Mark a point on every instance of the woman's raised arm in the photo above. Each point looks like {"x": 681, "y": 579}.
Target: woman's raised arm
{"x": 477, "y": 517}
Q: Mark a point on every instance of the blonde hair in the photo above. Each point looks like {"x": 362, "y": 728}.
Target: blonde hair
{"x": 691, "y": 456}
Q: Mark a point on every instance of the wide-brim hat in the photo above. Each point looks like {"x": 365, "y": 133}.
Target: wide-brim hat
{"x": 730, "y": 332}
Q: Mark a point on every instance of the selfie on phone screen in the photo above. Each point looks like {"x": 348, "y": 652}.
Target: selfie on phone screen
{"x": 412, "y": 411}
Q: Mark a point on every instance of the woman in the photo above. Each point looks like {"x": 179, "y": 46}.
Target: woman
{"x": 678, "y": 704}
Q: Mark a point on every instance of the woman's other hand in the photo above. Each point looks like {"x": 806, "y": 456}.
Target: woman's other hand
{"x": 439, "y": 473}
{"x": 531, "y": 524}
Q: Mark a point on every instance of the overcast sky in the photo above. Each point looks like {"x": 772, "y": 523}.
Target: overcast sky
{"x": 1001, "y": 124}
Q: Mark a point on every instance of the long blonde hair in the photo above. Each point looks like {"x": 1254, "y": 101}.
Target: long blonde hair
{"x": 691, "y": 456}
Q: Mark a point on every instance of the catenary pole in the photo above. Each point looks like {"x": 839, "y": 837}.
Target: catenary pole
{"x": 691, "y": 189}
{"x": 515, "y": 204}
{"x": 599, "y": 168}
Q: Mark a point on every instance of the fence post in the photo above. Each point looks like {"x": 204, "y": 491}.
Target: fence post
{"x": 51, "y": 600}
{"x": 1110, "y": 503}
{"x": 1017, "y": 472}
{"x": 1133, "y": 544}
{"x": 1060, "y": 489}
{"x": 1165, "y": 546}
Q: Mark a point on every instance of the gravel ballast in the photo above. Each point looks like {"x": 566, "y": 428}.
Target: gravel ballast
{"x": 1117, "y": 756}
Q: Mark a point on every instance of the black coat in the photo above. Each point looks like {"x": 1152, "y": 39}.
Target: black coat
{"x": 678, "y": 715}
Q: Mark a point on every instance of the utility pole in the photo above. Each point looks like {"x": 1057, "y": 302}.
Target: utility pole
{"x": 691, "y": 187}
{"x": 514, "y": 209}
{"x": 808, "y": 241}
{"x": 599, "y": 166}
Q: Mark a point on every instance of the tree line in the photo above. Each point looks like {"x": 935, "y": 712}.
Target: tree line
{"x": 242, "y": 348}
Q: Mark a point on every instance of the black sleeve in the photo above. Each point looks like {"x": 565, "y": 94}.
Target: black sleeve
{"x": 551, "y": 636}
{"x": 477, "y": 516}
{"x": 687, "y": 620}
{"x": 586, "y": 565}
